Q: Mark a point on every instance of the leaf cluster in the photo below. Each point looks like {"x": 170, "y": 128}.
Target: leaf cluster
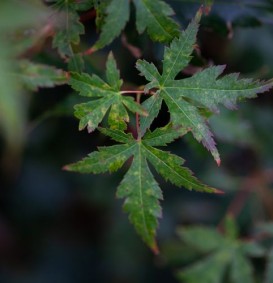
{"x": 187, "y": 100}
{"x": 112, "y": 16}
{"x": 127, "y": 115}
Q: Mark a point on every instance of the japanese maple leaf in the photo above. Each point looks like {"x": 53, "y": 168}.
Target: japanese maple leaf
{"x": 185, "y": 97}
{"x": 105, "y": 96}
{"x": 139, "y": 188}
{"x": 217, "y": 254}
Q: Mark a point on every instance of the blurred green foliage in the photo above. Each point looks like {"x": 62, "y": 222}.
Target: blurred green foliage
{"x": 13, "y": 103}
{"x": 62, "y": 227}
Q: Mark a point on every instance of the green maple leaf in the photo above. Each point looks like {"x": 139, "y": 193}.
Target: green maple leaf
{"x": 69, "y": 26}
{"x": 138, "y": 187}
{"x": 219, "y": 253}
{"x": 105, "y": 96}
{"x": 151, "y": 15}
{"x": 205, "y": 89}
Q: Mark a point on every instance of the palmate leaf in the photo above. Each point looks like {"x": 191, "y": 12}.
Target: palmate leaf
{"x": 139, "y": 188}
{"x": 105, "y": 95}
{"x": 220, "y": 253}
{"x": 211, "y": 270}
{"x": 151, "y": 15}
{"x": 204, "y": 89}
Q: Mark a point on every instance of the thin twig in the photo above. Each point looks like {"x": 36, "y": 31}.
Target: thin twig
{"x": 132, "y": 91}
{"x": 137, "y": 116}
{"x": 257, "y": 182}
{"x": 239, "y": 201}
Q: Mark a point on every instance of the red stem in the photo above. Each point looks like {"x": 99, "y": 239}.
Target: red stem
{"x": 137, "y": 116}
{"x": 132, "y": 91}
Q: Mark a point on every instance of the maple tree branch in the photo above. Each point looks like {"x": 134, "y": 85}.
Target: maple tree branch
{"x": 135, "y": 51}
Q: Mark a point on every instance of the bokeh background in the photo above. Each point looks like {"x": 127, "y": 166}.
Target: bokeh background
{"x": 63, "y": 227}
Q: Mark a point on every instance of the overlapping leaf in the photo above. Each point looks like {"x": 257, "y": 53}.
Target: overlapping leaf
{"x": 151, "y": 15}
{"x": 138, "y": 187}
{"x": 205, "y": 89}
{"x": 154, "y": 15}
{"x": 105, "y": 96}
{"x": 220, "y": 253}
{"x": 101, "y": 7}
{"x": 118, "y": 13}
{"x": 69, "y": 26}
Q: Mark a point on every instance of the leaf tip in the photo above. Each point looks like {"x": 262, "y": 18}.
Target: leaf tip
{"x": 90, "y": 50}
{"x": 206, "y": 8}
{"x": 218, "y": 192}
{"x": 66, "y": 168}
{"x": 110, "y": 55}
{"x": 145, "y": 113}
{"x": 266, "y": 86}
{"x": 218, "y": 161}
{"x": 90, "y": 129}
{"x": 67, "y": 75}
{"x": 199, "y": 14}
{"x": 155, "y": 249}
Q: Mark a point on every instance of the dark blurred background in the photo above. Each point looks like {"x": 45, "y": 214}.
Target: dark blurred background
{"x": 63, "y": 227}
